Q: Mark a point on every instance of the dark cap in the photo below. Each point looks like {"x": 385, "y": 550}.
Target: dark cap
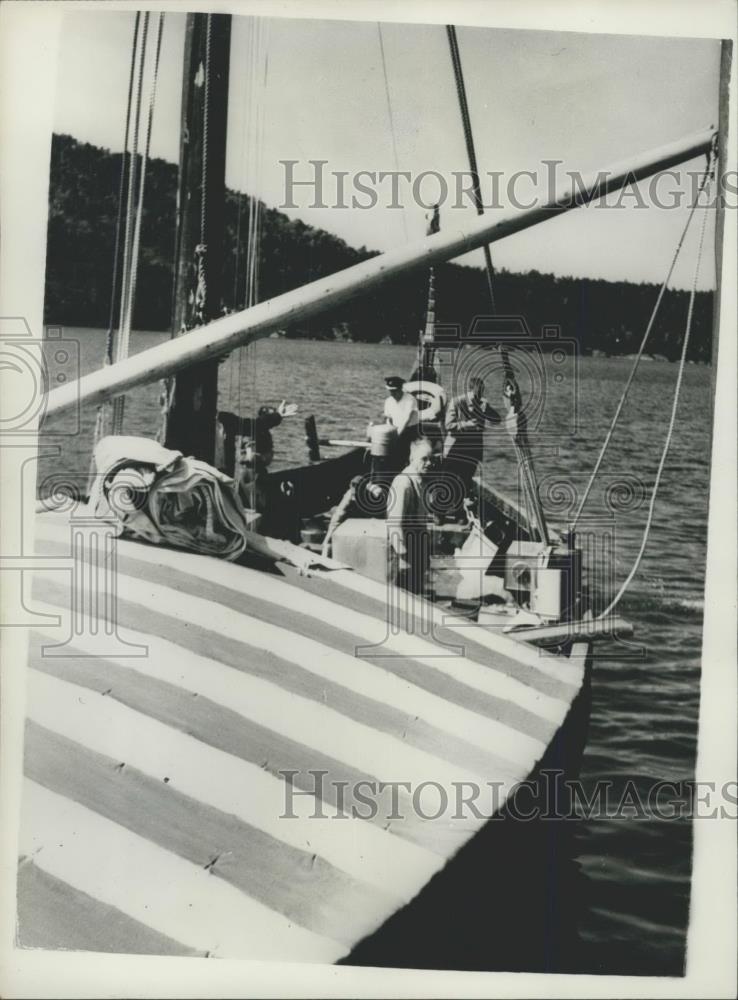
{"x": 394, "y": 382}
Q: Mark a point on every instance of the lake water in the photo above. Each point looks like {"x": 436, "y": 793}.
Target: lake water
{"x": 635, "y": 871}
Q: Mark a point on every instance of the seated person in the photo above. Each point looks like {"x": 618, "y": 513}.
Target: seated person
{"x": 251, "y": 475}
{"x": 407, "y": 514}
{"x": 362, "y": 499}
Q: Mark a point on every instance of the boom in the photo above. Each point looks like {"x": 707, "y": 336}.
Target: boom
{"x": 223, "y": 335}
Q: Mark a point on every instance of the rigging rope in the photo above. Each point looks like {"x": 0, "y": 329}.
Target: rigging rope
{"x": 142, "y": 183}
{"x": 119, "y": 401}
{"x": 132, "y": 178}
{"x": 391, "y": 122}
{"x": 242, "y": 361}
{"x": 253, "y": 256}
{"x": 125, "y": 331}
{"x": 641, "y": 349}
{"x": 675, "y": 403}
{"x": 246, "y": 360}
{"x": 472, "y": 156}
{"x": 232, "y": 369}
{"x": 205, "y": 126}
{"x": 121, "y": 188}
{"x": 103, "y": 408}
{"x": 201, "y": 309}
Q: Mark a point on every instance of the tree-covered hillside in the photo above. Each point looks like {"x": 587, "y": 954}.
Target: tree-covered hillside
{"x": 604, "y": 316}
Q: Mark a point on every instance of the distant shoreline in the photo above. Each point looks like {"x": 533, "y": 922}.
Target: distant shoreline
{"x": 163, "y": 334}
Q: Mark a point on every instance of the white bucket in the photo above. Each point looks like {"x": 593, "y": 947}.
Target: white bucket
{"x": 381, "y": 437}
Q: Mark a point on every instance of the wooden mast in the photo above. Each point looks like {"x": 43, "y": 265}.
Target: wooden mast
{"x": 726, "y": 53}
{"x": 189, "y": 421}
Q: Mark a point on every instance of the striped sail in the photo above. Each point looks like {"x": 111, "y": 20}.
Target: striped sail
{"x": 199, "y": 763}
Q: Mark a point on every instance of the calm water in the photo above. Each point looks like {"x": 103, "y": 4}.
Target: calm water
{"x": 635, "y": 872}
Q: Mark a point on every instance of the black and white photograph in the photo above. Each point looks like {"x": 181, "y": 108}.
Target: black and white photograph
{"x": 368, "y": 467}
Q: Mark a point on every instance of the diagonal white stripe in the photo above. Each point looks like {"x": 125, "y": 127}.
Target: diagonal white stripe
{"x": 299, "y": 718}
{"x": 243, "y": 579}
{"x": 373, "y": 681}
{"x": 361, "y": 849}
{"x": 369, "y": 630}
{"x": 157, "y": 888}
{"x": 557, "y": 667}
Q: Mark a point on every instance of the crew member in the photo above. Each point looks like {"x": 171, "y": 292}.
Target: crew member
{"x": 250, "y": 465}
{"x": 401, "y": 410}
{"x": 256, "y": 430}
{"x": 466, "y": 417}
{"x": 251, "y": 476}
{"x": 407, "y": 518}
{"x": 362, "y": 499}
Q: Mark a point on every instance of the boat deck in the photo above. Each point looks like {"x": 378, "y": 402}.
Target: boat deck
{"x": 164, "y": 751}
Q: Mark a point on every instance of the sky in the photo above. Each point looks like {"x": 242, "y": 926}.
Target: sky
{"x": 318, "y": 90}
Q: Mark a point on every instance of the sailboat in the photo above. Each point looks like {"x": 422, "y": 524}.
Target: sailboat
{"x": 280, "y": 756}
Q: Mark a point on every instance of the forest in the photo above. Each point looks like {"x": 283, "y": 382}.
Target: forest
{"x": 602, "y": 316}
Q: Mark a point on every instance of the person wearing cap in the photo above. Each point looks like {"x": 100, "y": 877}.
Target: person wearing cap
{"x": 401, "y": 410}
{"x": 466, "y": 417}
{"x": 362, "y": 499}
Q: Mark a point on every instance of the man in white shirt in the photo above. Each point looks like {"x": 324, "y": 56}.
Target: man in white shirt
{"x": 401, "y": 410}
